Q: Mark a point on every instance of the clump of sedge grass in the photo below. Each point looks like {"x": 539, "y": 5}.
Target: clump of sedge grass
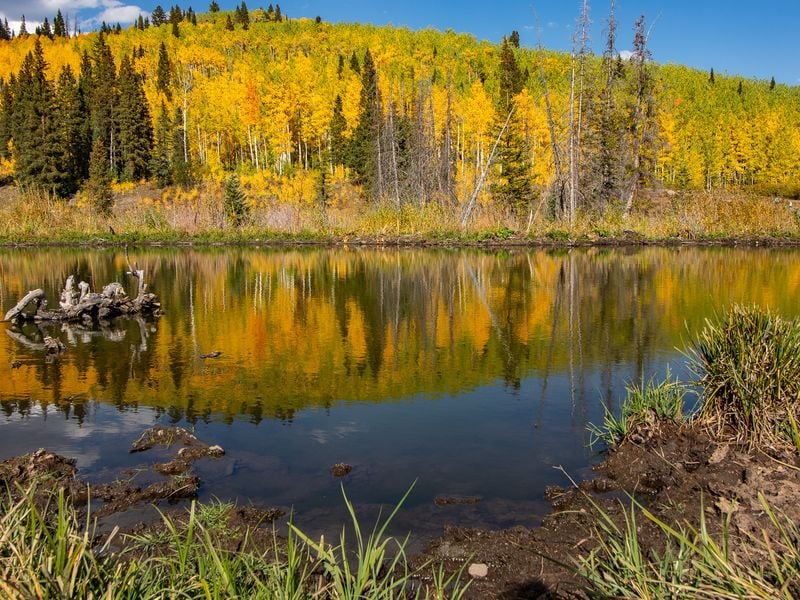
{"x": 748, "y": 363}
{"x": 693, "y": 563}
{"x": 644, "y": 405}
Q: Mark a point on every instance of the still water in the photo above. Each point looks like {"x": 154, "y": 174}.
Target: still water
{"x": 470, "y": 373}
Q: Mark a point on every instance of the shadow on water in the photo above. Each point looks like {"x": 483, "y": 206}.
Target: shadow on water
{"x": 473, "y": 373}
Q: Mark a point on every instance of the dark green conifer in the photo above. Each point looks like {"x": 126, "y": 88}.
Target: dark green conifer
{"x": 59, "y": 25}
{"x": 363, "y": 147}
{"x": 355, "y": 66}
{"x": 6, "y": 114}
{"x": 772, "y": 84}
{"x": 71, "y": 119}
{"x": 160, "y": 165}
{"x": 338, "y": 126}
{"x": 104, "y": 97}
{"x": 270, "y": 13}
{"x": 135, "y": 130}
{"x": 242, "y": 15}
{"x": 158, "y": 17}
{"x": 23, "y": 30}
{"x": 35, "y": 128}
{"x": 176, "y": 32}
{"x": 98, "y": 186}
{"x": 213, "y": 7}
{"x": 228, "y": 23}
{"x": 175, "y": 14}
{"x": 511, "y": 80}
{"x": 164, "y": 72}
{"x": 140, "y": 23}
{"x": 278, "y": 15}
{"x": 234, "y": 202}
{"x": 340, "y": 66}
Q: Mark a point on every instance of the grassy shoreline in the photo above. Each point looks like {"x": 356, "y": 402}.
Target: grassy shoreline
{"x": 196, "y": 216}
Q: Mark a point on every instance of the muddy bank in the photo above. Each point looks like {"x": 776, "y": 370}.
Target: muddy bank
{"x": 678, "y": 474}
{"x": 172, "y": 480}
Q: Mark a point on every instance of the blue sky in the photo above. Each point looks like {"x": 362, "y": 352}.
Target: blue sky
{"x": 752, "y": 39}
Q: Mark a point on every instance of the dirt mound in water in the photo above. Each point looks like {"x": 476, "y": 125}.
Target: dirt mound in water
{"x": 678, "y": 474}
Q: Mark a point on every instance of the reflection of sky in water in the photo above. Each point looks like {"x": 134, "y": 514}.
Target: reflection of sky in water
{"x": 471, "y": 374}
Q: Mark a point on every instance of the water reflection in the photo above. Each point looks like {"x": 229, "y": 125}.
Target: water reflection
{"x": 474, "y": 371}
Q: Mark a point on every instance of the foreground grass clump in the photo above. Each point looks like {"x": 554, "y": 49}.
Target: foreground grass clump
{"x": 45, "y": 552}
{"x": 748, "y": 364}
{"x": 693, "y": 563}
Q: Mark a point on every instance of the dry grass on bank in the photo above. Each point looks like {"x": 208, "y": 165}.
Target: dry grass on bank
{"x": 174, "y": 214}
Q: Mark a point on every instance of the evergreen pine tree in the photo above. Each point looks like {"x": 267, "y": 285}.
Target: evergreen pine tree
{"x": 355, "y": 66}
{"x": 228, "y": 23}
{"x": 772, "y": 84}
{"x": 363, "y": 147}
{"x": 104, "y": 97}
{"x": 164, "y": 72}
{"x": 59, "y": 26}
{"x": 35, "y": 128}
{"x": 513, "y": 39}
{"x": 45, "y": 29}
{"x": 242, "y": 15}
{"x": 340, "y": 66}
{"x": 176, "y": 32}
{"x": 70, "y": 113}
{"x": 711, "y": 76}
{"x": 270, "y": 13}
{"x": 158, "y": 17}
{"x": 511, "y": 81}
{"x": 98, "y": 186}
{"x": 514, "y": 189}
{"x": 5, "y": 34}
{"x": 234, "y": 202}
{"x": 175, "y": 14}
{"x": 278, "y": 15}
{"x": 140, "y": 23}
{"x": 135, "y": 130}
{"x": 7, "y": 115}
{"x": 160, "y": 165}
{"x": 23, "y": 30}
{"x": 213, "y": 7}
{"x": 338, "y": 126}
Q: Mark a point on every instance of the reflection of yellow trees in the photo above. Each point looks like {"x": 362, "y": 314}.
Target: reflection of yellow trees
{"x": 312, "y": 327}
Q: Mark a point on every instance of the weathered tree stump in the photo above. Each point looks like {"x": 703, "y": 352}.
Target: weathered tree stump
{"x": 83, "y": 305}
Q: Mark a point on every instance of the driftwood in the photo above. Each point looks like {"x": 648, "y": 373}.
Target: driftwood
{"x": 82, "y": 305}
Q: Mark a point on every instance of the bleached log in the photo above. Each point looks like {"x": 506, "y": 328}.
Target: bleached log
{"x": 32, "y": 296}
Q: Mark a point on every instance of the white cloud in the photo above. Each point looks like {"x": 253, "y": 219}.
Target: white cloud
{"x": 626, "y": 54}
{"x": 88, "y": 12}
{"x": 30, "y": 26}
{"x": 116, "y": 12}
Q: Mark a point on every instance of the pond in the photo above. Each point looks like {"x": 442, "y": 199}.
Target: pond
{"x": 471, "y": 373}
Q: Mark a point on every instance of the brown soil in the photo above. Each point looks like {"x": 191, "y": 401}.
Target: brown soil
{"x": 677, "y": 472}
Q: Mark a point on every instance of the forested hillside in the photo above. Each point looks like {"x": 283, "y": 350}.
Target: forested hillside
{"x": 408, "y": 116}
